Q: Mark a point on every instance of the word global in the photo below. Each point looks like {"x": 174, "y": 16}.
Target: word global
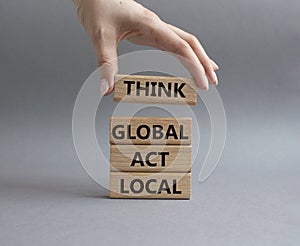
{"x": 145, "y": 132}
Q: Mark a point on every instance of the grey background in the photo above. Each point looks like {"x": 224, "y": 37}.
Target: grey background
{"x": 252, "y": 198}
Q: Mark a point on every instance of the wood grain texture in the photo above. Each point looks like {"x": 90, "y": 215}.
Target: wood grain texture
{"x": 151, "y": 158}
{"x": 155, "y": 89}
{"x": 150, "y": 130}
{"x": 150, "y": 185}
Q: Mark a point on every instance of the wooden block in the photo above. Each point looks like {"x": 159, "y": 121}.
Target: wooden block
{"x": 150, "y": 185}
{"x": 150, "y": 130}
{"x": 155, "y": 89}
{"x": 151, "y": 158}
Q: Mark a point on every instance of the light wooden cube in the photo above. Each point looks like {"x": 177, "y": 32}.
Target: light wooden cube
{"x": 150, "y": 130}
{"x": 150, "y": 185}
{"x": 151, "y": 158}
{"x": 155, "y": 89}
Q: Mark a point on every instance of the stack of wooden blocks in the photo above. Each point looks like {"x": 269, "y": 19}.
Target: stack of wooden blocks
{"x": 151, "y": 157}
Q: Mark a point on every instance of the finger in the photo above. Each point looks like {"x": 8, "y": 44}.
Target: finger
{"x": 215, "y": 65}
{"x": 166, "y": 39}
{"x": 200, "y": 52}
{"x": 106, "y": 52}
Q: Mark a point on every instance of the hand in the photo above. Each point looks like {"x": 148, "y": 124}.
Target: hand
{"x": 107, "y": 22}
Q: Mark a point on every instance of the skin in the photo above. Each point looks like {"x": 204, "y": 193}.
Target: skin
{"x": 107, "y": 22}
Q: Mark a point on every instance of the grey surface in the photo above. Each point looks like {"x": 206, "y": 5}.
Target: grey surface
{"x": 252, "y": 198}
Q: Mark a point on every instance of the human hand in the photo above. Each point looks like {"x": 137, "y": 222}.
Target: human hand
{"x": 107, "y": 22}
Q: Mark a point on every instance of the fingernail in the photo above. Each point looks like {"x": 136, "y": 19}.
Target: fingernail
{"x": 104, "y": 86}
{"x": 215, "y": 79}
{"x": 206, "y": 85}
{"x": 215, "y": 64}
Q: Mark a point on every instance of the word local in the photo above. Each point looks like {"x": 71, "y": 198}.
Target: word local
{"x": 145, "y": 132}
{"x": 138, "y": 186}
{"x": 154, "y": 89}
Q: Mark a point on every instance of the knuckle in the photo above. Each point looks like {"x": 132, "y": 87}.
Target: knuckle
{"x": 206, "y": 63}
{"x": 105, "y": 62}
{"x": 193, "y": 39}
{"x": 149, "y": 15}
{"x": 149, "y": 20}
{"x": 181, "y": 47}
{"x": 102, "y": 34}
{"x": 97, "y": 35}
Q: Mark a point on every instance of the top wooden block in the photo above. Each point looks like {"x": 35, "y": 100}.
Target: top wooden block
{"x": 155, "y": 89}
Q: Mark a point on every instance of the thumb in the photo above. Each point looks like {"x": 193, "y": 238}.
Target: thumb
{"x": 108, "y": 65}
